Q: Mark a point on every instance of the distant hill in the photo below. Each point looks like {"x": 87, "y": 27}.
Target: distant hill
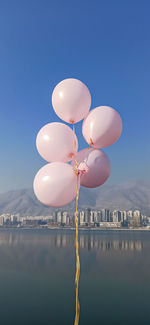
{"x": 131, "y": 195}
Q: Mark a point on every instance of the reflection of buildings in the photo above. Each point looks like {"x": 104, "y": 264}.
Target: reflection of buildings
{"x": 60, "y": 239}
{"x": 95, "y": 243}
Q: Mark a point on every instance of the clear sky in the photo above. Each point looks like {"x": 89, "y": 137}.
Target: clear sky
{"x": 105, "y": 44}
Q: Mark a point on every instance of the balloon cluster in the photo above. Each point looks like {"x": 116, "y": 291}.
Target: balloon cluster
{"x": 55, "y": 183}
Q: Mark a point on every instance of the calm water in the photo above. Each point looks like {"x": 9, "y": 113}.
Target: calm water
{"x": 37, "y": 269}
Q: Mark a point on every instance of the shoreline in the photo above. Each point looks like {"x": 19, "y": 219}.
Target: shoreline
{"x": 80, "y": 229}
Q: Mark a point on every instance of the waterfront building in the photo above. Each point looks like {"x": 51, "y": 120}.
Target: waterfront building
{"x": 136, "y": 219}
{"x": 67, "y": 221}
{"x": 91, "y": 221}
{"x": 114, "y": 216}
{"x": 72, "y": 219}
{"x": 103, "y": 215}
{"x": 95, "y": 216}
{"x": 64, "y": 217}
{"x": 136, "y": 213}
{"x": 99, "y": 216}
{"x": 146, "y": 220}
{"x": 87, "y": 215}
{"x": 119, "y": 216}
{"x": 107, "y": 215}
{"x": 54, "y": 217}
{"x": 81, "y": 218}
{"x": 110, "y": 224}
{"x": 1, "y": 220}
{"x": 13, "y": 218}
{"x": 123, "y": 215}
{"x": 59, "y": 217}
{"x": 129, "y": 214}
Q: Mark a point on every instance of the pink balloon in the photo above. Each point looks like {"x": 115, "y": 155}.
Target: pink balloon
{"x": 98, "y": 167}
{"x": 55, "y": 184}
{"x": 71, "y": 100}
{"x": 56, "y": 142}
{"x": 102, "y": 127}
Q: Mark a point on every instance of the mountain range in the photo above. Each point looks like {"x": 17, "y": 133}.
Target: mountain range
{"x": 130, "y": 195}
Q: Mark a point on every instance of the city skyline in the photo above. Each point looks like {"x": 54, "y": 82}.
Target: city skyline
{"x": 88, "y": 219}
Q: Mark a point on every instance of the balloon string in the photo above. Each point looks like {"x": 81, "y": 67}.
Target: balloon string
{"x": 75, "y": 146}
{"x": 76, "y": 321}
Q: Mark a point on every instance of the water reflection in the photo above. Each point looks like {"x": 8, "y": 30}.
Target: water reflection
{"x": 37, "y": 271}
{"x": 62, "y": 240}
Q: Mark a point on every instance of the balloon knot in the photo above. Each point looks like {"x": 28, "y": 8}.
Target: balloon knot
{"x": 71, "y": 121}
{"x": 91, "y": 142}
{"x": 71, "y": 154}
{"x": 82, "y": 169}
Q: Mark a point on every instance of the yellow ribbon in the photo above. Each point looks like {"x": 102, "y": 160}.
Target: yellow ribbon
{"x": 76, "y": 321}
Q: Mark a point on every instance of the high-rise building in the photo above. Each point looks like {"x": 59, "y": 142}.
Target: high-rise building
{"x": 54, "y": 217}
{"x": 91, "y": 217}
{"x": 13, "y": 218}
{"x": 59, "y": 217}
{"x": 137, "y": 213}
{"x": 119, "y": 215}
{"x": 81, "y": 218}
{"x": 99, "y": 216}
{"x": 72, "y": 220}
{"x": 68, "y": 220}
{"x": 123, "y": 215}
{"x": 1, "y": 220}
{"x": 136, "y": 219}
{"x": 114, "y": 216}
{"x": 95, "y": 216}
{"x": 106, "y": 215}
{"x": 87, "y": 215}
{"x": 64, "y": 217}
{"x": 103, "y": 215}
{"x": 129, "y": 214}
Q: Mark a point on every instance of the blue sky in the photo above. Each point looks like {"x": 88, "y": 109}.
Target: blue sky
{"x": 106, "y": 44}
